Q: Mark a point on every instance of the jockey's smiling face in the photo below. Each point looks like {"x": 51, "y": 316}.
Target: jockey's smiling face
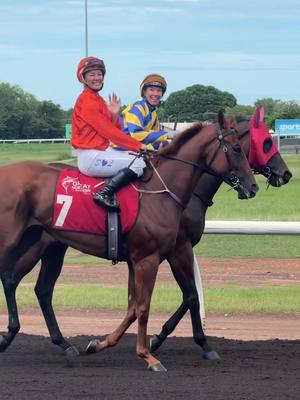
{"x": 94, "y": 79}
{"x": 153, "y": 95}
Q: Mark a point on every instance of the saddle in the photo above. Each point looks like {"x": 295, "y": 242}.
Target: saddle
{"x": 75, "y": 211}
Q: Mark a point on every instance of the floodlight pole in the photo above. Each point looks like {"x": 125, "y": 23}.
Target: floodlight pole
{"x": 86, "y": 29}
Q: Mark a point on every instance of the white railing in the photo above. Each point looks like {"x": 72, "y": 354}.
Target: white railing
{"x": 27, "y": 141}
{"x": 245, "y": 228}
{"x": 253, "y": 227}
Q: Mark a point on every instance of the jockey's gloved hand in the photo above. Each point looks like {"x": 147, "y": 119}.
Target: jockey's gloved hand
{"x": 147, "y": 147}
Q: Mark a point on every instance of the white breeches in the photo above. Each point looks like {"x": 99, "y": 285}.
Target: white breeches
{"x": 109, "y": 162}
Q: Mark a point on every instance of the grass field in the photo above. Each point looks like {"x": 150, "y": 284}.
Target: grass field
{"x": 274, "y": 204}
{"x": 167, "y": 298}
{"x": 44, "y": 152}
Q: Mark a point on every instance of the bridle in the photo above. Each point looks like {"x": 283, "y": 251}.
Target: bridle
{"x": 233, "y": 180}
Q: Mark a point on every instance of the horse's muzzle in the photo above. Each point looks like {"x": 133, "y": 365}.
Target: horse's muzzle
{"x": 278, "y": 180}
{"x": 245, "y": 193}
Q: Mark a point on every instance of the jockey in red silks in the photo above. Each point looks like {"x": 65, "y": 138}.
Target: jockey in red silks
{"x": 96, "y": 128}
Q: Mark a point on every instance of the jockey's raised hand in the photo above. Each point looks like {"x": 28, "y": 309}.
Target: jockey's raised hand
{"x": 114, "y": 104}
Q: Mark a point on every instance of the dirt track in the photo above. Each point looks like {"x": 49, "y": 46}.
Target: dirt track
{"x": 33, "y": 368}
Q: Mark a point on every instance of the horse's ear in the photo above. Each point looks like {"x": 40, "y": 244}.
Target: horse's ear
{"x": 261, "y": 114}
{"x": 221, "y": 119}
{"x": 232, "y": 120}
{"x": 258, "y": 116}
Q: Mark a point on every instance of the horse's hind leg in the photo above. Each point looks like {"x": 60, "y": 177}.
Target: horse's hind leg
{"x": 52, "y": 262}
{"x": 17, "y": 266}
{"x": 10, "y": 286}
{"x": 113, "y": 338}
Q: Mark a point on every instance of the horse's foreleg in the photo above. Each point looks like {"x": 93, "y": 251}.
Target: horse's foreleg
{"x": 180, "y": 268}
{"x": 145, "y": 276}
{"x": 10, "y": 286}
{"x": 157, "y": 340}
{"x": 113, "y": 338}
{"x": 181, "y": 262}
{"x": 52, "y": 262}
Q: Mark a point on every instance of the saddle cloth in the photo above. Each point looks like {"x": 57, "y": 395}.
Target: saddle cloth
{"x": 75, "y": 210}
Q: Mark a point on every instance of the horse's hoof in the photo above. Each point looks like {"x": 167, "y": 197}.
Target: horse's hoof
{"x": 157, "y": 368}
{"x": 211, "y": 355}
{"x": 71, "y": 352}
{"x": 154, "y": 343}
{"x": 3, "y": 343}
{"x": 92, "y": 347}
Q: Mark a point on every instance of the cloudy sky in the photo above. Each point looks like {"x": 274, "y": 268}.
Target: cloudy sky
{"x": 250, "y": 49}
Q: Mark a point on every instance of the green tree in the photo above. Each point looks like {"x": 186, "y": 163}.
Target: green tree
{"x": 22, "y": 116}
{"x": 240, "y": 112}
{"x": 52, "y": 120}
{"x": 277, "y": 109}
{"x": 195, "y": 103}
{"x": 15, "y": 111}
{"x": 69, "y": 114}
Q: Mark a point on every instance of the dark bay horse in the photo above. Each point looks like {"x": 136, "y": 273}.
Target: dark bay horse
{"x": 268, "y": 162}
{"x": 190, "y": 233}
{"x": 27, "y": 191}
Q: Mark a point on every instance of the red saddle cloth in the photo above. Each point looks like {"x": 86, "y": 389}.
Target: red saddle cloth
{"x": 75, "y": 210}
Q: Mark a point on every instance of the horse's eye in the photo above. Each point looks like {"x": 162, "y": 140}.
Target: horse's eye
{"x": 237, "y": 149}
{"x": 267, "y": 145}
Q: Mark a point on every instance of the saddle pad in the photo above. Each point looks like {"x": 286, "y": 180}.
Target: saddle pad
{"x": 75, "y": 210}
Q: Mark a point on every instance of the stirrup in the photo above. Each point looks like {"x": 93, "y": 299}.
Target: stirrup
{"x": 106, "y": 201}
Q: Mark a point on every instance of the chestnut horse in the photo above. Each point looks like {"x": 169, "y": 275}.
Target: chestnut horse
{"x": 191, "y": 228}
{"x": 27, "y": 190}
{"x": 51, "y": 253}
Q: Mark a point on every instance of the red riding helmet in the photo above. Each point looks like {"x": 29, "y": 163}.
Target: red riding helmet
{"x": 88, "y": 64}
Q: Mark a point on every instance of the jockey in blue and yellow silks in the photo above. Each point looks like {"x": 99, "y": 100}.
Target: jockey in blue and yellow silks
{"x": 139, "y": 120}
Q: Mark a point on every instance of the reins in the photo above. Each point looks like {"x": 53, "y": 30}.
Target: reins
{"x": 165, "y": 190}
{"x": 234, "y": 180}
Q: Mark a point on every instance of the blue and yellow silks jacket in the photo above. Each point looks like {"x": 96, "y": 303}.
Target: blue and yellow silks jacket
{"x": 140, "y": 121}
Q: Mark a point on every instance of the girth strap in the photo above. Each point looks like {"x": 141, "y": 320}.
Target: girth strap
{"x": 113, "y": 237}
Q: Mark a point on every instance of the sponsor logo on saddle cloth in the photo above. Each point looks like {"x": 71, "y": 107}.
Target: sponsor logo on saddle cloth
{"x": 259, "y": 136}
{"x": 75, "y": 210}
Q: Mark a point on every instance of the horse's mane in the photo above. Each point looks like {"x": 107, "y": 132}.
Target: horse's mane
{"x": 180, "y": 139}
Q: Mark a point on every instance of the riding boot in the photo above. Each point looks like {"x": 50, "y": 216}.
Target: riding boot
{"x": 106, "y": 196}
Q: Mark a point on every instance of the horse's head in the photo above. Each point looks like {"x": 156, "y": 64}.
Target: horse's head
{"x": 262, "y": 151}
{"x": 239, "y": 176}
{"x": 211, "y": 148}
